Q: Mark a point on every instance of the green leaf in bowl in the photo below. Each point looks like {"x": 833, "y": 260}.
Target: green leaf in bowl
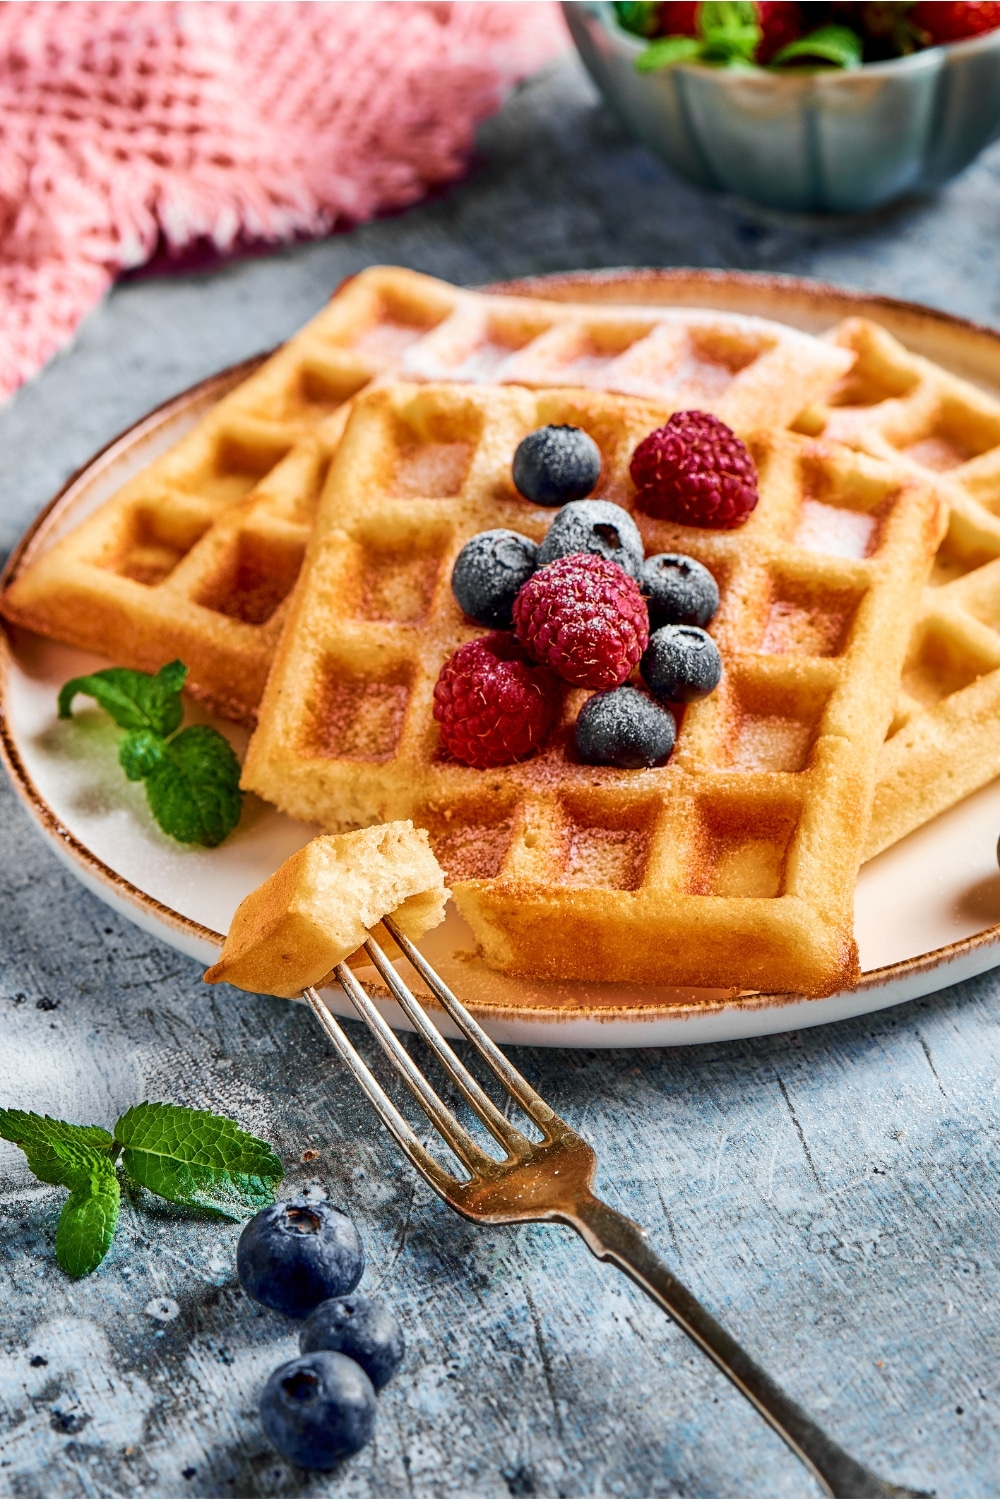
{"x": 836, "y": 45}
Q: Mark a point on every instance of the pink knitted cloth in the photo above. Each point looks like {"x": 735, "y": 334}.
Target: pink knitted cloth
{"x": 124, "y": 123}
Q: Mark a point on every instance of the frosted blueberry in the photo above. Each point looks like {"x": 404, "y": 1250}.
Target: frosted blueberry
{"x": 678, "y": 590}
{"x": 556, "y": 464}
{"x": 681, "y": 663}
{"x": 595, "y": 526}
{"x": 624, "y": 728}
{"x": 488, "y": 573}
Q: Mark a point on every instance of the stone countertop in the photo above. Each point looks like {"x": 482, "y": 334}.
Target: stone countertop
{"x": 831, "y": 1194}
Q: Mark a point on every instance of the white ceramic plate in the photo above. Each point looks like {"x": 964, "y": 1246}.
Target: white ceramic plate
{"x": 926, "y": 914}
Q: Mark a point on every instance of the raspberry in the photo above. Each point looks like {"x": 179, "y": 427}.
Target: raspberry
{"x": 585, "y": 618}
{"x": 947, "y": 22}
{"x": 695, "y": 471}
{"x": 493, "y": 706}
{"x": 780, "y": 23}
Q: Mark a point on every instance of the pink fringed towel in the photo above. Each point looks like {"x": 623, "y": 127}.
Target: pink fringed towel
{"x": 122, "y": 122}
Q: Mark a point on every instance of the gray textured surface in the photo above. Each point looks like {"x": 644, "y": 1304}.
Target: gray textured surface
{"x": 831, "y": 1194}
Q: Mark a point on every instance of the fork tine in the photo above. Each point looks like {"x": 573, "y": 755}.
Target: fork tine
{"x": 454, "y": 1134}
{"x": 533, "y": 1104}
{"x": 474, "y": 1095}
{"x": 442, "y": 1181}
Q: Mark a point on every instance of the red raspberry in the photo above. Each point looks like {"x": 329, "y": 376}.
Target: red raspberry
{"x": 946, "y": 22}
{"x": 695, "y": 471}
{"x": 780, "y": 23}
{"x": 493, "y": 706}
{"x": 584, "y": 617}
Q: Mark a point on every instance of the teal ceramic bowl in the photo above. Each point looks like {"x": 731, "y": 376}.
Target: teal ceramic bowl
{"x": 834, "y": 142}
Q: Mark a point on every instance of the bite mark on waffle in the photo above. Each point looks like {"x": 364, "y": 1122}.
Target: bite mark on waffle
{"x": 734, "y": 864}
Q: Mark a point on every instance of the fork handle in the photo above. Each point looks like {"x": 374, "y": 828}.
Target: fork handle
{"x": 611, "y": 1236}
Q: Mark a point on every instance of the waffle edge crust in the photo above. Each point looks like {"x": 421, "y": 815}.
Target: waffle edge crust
{"x": 731, "y": 867}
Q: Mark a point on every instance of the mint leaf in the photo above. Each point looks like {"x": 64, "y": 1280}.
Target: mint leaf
{"x": 89, "y": 1218}
{"x": 194, "y": 789}
{"x": 640, "y": 17}
{"x": 197, "y": 1159}
{"x": 716, "y": 16}
{"x": 838, "y": 45}
{"x": 57, "y": 1152}
{"x": 78, "y": 1157}
{"x": 140, "y": 752}
{"x": 666, "y": 51}
{"x": 135, "y": 700}
{"x": 729, "y": 30}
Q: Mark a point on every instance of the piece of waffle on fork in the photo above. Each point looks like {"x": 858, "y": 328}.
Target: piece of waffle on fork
{"x": 734, "y": 864}
{"x": 195, "y": 556}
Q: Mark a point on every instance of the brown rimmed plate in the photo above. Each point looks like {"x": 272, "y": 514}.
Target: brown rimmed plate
{"x": 927, "y": 911}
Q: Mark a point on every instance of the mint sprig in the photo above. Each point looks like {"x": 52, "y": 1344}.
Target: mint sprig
{"x": 188, "y": 1156}
{"x": 192, "y": 778}
{"x": 729, "y": 35}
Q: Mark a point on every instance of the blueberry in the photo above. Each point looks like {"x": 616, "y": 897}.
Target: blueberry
{"x": 681, "y": 663}
{"x": 318, "y": 1408}
{"x": 624, "y": 728}
{"x": 293, "y": 1256}
{"x": 556, "y": 464}
{"x": 678, "y": 590}
{"x": 364, "y": 1330}
{"x": 594, "y": 526}
{"x": 488, "y": 574}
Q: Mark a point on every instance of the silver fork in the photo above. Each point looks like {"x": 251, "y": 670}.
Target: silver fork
{"x": 552, "y": 1180}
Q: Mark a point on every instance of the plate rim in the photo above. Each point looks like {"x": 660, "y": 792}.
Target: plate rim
{"x": 565, "y": 284}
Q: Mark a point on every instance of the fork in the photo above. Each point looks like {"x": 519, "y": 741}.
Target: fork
{"x": 551, "y": 1180}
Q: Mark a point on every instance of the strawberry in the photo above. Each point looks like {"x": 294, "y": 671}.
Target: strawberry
{"x": 945, "y": 21}
{"x": 780, "y": 23}
{"x": 678, "y": 18}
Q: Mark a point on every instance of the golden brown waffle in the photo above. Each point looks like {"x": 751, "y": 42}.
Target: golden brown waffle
{"x": 944, "y": 741}
{"x": 734, "y": 865}
{"x": 195, "y": 556}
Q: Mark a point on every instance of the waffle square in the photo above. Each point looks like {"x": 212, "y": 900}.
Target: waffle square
{"x": 943, "y": 742}
{"x": 196, "y": 556}
{"x": 734, "y": 864}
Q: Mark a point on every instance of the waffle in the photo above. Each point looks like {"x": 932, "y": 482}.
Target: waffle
{"x": 943, "y": 742}
{"x": 196, "y": 556}
{"x": 318, "y": 908}
{"x": 732, "y": 866}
